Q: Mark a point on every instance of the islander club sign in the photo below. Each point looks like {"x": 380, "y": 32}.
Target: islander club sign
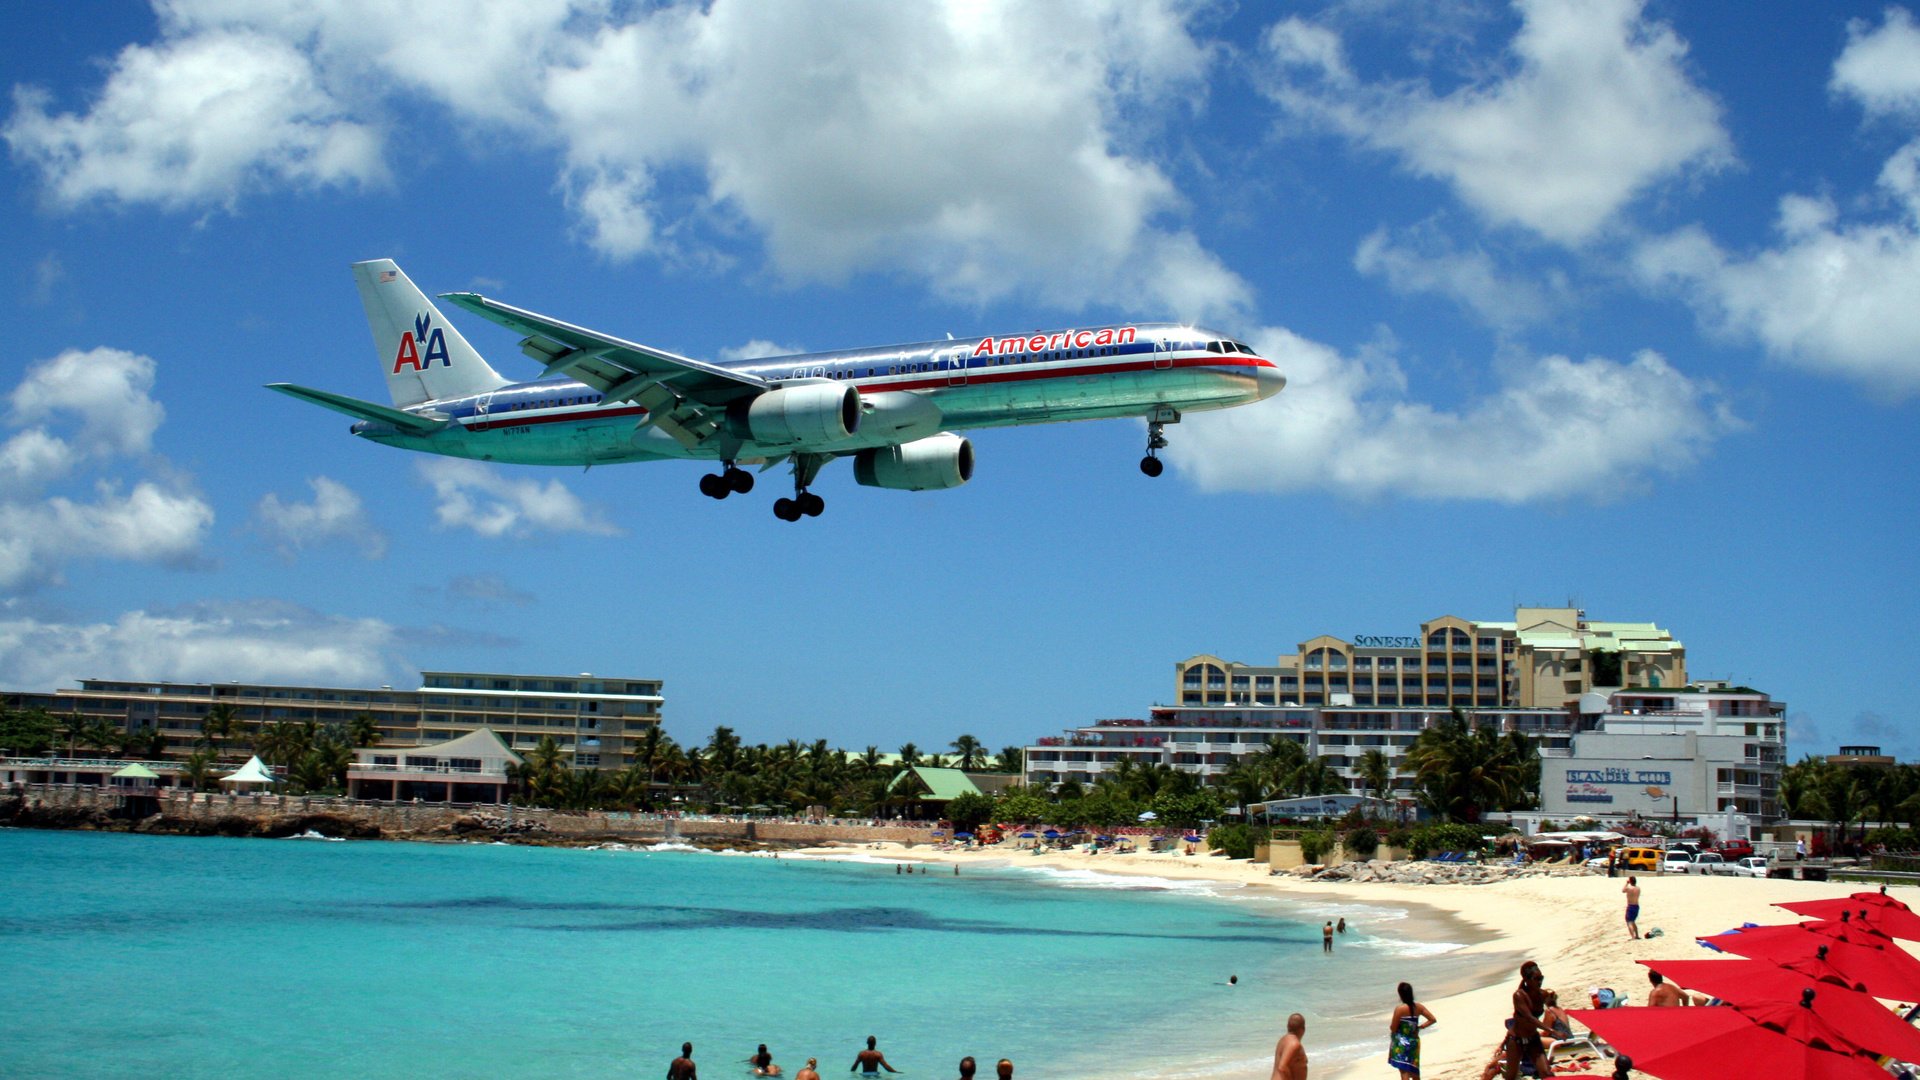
{"x": 1599, "y": 785}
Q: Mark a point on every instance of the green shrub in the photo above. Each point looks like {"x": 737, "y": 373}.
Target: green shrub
{"x": 1450, "y": 836}
{"x": 1315, "y": 843}
{"x": 1362, "y": 842}
{"x": 1237, "y": 840}
{"x": 1401, "y": 838}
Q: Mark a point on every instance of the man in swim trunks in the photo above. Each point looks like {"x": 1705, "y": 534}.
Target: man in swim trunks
{"x": 1290, "y": 1053}
{"x": 682, "y": 1067}
{"x": 1326, "y": 938}
{"x": 1632, "y": 890}
{"x": 870, "y": 1061}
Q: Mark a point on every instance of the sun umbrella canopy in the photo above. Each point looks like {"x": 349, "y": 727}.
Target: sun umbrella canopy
{"x": 1149, "y": 816}
{"x": 1889, "y": 973}
{"x": 1858, "y": 1016}
{"x": 1892, "y": 921}
{"x": 254, "y": 771}
{"x": 136, "y": 771}
{"x": 1706, "y": 1044}
{"x": 1026, "y": 836}
{"x": 963, "y": 836}
{"x": 1798, "y": 1021}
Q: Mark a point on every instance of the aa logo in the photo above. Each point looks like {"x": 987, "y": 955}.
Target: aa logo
{"x": 421, "y": 348}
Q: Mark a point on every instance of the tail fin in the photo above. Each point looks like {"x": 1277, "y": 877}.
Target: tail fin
{"x": 423, "y": 354}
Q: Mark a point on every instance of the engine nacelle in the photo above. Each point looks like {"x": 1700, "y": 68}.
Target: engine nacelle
{"x": 930, "y": 464}
{"x": 822, "y": 412}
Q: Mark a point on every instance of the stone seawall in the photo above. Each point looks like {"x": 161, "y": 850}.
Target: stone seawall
{"x": 229, "y": 814}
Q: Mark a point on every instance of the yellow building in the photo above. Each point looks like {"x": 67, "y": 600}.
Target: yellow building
{"x": 1543, "y": 658}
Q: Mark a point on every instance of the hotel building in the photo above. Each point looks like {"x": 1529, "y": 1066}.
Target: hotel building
{"x": 1544, "y": 658}
{"x": 598, "y": 722}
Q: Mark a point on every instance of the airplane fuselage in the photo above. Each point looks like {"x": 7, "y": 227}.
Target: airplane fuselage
{"x": 907, "y": 392}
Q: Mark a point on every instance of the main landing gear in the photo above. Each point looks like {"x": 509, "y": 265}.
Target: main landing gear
{"x": 734, "y": 481}
{"x": 1157, "y": 422}
{"x": 804, "y": 503}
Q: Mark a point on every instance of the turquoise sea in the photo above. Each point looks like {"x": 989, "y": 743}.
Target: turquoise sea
{"x": 205, "y": 957}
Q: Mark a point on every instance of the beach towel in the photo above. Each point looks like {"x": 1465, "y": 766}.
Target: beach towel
{"x": 1403, "y": 1046}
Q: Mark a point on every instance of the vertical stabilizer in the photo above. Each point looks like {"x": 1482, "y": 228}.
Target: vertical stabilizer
{"x": 423, "y": 355}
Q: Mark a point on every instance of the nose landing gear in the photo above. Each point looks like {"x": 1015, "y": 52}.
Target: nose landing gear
{"x": 1157, "y": 422}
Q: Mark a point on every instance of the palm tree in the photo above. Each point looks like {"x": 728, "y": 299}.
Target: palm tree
{"x": 197, "y": 769}
{"x": 72, "y": 728}
{"x": 1376, "y": 772}
{"x": 971, "y": 751}
{"x": 364, "y": 730}
{"x": 909, "y": 755}
{"x": 218, "y": 725}
{"x": 99, "y": 733}
{"x": 1461, "y": 771}
{"x": 1011, "y": 759}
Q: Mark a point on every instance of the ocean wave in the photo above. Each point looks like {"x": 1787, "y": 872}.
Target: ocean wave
{"x": 311, "y": 835}
{"x": 1403, "y": 947}
{"x": 1074, "y": 878}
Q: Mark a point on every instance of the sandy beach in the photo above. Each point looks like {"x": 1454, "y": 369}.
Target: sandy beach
{"x": 1571, "y": 925}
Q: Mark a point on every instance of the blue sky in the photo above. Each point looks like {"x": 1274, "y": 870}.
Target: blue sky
{"x": 1609, "y": 302}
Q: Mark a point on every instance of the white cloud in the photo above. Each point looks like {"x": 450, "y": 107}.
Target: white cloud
{"x": 335, "y": 514}
{"x": 1834, "y": 294}
{"x": 1556, "y": 430}
{"x": 149, "y": 523}
{"x": 476, "y": 496}
{"x": 193, "y": 122}
{"x": 103, "y": 396}
{"x": 985, "y": 150}
{"x": 1594, "y": 109}
{"x": 1881, "y": 67}
{"x": 1423, "y": 260}
{"x": 266, "y": 641}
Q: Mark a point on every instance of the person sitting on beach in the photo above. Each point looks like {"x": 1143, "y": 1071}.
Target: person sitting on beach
{"x": 682, "y": 1067}
{"x": 1403, "y": 1033}
{"x": 762, "y": 1062}
{"x": 1290, "y": 1053}
{"x": 1555, "y": 1019}
{"x": 1664, "y": 992}
{"x": 807, "y": 1071}
{"x": 870, "y": 1061}
{"x": 966, "y": 1068}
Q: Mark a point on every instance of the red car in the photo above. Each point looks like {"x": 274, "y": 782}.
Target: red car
{"x": 1734, "y": 850}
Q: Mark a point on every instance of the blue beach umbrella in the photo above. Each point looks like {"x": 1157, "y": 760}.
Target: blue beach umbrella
{"x": 1052, "y": 834}
{"x": 1026, "y": 836}
{"x": 963, "y": 836}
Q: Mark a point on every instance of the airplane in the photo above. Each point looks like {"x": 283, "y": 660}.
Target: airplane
{"x": 892, "y": 409}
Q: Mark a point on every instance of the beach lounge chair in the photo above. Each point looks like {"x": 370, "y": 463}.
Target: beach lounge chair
{"x": 1609, "y": 999}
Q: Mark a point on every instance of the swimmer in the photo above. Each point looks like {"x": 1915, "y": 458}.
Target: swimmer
{"x": 807, "y": 1071}
{"x": 682, "y": 1067}
{"x": 868, "y": 1061}
{"x": 762, "y": 1062}
{"x": 1004, "y": 1070}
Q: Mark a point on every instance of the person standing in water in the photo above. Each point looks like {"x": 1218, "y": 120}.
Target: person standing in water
{"x": 682, "y": 1067}
{"x": 762, "y": 1062}
{"x": 807, "y": 1071}
{"x": 1290, "y": 1053}
{"x": 870, "y": 1061}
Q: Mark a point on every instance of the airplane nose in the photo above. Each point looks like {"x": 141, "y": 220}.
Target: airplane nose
{"x": 1270, "y": 380}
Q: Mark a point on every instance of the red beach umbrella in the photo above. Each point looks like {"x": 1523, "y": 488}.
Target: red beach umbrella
{"x": 1890, "y": 973}
{"x": 1707, "y": 1044}
{"x": 1857, "y": 1016}
{"x": 1892, "y": 921}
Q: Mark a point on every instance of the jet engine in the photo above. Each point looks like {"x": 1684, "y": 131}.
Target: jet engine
{"x": 930, "y": 464}
{"x": 822, "y": 412}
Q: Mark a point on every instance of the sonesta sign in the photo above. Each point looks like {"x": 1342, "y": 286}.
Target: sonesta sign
{"x": 1374, "y": 641}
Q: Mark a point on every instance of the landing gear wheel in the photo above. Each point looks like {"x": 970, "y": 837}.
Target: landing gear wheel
{"x": 786, "y": 509}
{"x": 715, "y": 487}
{"x": 811, "y": 504}
{"x": 1152, "y": 466}
{"x": 739, "y": 480}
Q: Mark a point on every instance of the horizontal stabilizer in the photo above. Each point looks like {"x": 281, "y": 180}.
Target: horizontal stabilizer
{"x": 411, "y": 423}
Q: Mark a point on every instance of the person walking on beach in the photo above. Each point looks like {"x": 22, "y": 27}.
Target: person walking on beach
{"x": 870, "y": 1061}
{"x": 807, "y": 1071}
{"x": 1290, "y": 1053}
{"x": 1326, "y": 937}
{"x": 1403, "y": 1033}
{"x": 682, "y": 1067}
{"x": 1632, "y": 889}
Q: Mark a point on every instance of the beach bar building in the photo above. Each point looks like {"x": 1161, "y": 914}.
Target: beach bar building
{"x": 469, "y": 769}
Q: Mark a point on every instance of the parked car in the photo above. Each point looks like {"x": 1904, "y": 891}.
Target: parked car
{"x": 1638, "y": 858}
{"x": 1734, "y": 850}
{"x": 1676, "y": 861}
{"x": 1750, "y": 866}
{"x": 1707, "y": 862}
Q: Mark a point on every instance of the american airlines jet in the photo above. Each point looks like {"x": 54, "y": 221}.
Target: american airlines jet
{"x": 893, "y": 409}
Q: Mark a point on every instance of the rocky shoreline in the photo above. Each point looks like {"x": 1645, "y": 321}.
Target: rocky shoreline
{"x": 1423, "y": 872}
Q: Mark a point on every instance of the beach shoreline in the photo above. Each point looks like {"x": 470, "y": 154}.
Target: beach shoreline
{"x": 1572, "y": 925}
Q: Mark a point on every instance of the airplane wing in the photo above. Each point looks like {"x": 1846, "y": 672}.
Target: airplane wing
{"x": 684, "y": 397}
